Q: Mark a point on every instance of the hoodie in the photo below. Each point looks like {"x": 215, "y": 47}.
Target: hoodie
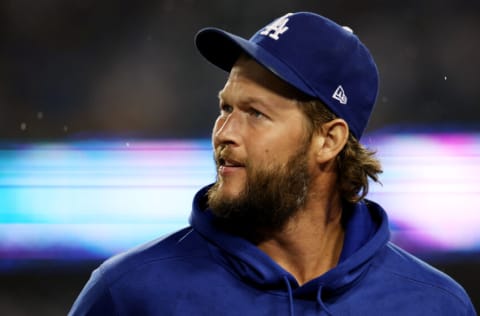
{"x": 203, "y": 270}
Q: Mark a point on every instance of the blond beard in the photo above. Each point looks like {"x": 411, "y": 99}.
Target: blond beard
{"x": 271, "y": 196}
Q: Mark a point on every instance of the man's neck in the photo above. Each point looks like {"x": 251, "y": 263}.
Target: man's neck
{"x": 310, "y": 244}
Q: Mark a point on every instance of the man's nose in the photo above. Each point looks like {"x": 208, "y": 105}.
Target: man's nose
{"x": 227, "y": 130}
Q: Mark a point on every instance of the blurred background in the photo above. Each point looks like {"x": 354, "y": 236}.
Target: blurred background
{"x": 106, "y": 109}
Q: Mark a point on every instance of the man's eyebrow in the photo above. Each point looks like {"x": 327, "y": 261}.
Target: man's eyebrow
{"x": 246, "y": 101}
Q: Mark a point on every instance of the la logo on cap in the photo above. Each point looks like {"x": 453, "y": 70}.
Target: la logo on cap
{"x": 277, "y": 27}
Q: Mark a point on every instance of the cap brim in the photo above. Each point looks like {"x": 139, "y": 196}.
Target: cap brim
{"x": 222, "y": 49}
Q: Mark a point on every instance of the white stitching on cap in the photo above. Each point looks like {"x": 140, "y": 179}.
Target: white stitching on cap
{"x": 278, "y": 27}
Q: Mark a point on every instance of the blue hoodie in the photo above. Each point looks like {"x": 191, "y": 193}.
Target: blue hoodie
{"x": 201, "y": 270}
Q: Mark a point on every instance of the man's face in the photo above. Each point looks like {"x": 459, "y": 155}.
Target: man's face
{"x": 261, "y": 149}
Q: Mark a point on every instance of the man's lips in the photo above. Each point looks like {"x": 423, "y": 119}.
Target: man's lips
{"x": 227, "y": 162}
{"x": 228, "y": 165}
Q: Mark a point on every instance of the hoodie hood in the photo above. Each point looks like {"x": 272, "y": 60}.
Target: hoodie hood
{"x": 366, "y": 233}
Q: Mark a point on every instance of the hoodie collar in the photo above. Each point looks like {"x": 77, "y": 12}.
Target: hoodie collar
{"x": 366, "y": 232}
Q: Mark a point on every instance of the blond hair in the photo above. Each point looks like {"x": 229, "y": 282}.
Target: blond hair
{"x": 355, "y": 163}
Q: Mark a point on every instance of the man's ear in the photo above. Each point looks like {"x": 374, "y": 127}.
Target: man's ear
{"x": 330, "y": 140}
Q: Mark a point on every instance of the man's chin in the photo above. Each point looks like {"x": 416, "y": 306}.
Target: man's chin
{"x": 228, "y": 191}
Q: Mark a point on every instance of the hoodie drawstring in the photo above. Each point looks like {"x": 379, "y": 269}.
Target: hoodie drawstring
{"x": 320, "y": 301}
{"x": 290, "y": 295}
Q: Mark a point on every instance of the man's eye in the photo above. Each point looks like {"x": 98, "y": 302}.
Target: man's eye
{"x": 225, "y": 108}
{"x": 255, "y": 113}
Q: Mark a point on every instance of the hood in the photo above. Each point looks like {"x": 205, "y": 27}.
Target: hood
{"x": 366, "y": 233}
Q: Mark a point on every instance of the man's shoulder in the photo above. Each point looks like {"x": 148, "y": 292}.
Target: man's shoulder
{"x": 135, "y": 275}
{"x": 409, "y": 271}
{"x": 182, "y": 245}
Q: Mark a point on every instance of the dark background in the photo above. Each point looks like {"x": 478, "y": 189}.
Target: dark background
{"x": 88, "y": 68}
{"x": 83, "y": 69}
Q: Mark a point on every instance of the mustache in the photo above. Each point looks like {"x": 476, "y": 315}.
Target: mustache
{"x": 224, "y": 153}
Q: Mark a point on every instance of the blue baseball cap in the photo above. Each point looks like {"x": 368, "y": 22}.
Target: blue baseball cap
{"x": 312, "y": 53}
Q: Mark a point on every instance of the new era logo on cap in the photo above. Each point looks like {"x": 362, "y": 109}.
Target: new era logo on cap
{"x": 313, "y": 54}
{"x": 340, "y": 95}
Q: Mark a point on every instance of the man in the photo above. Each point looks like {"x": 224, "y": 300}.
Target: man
{"x": 285, "y": 230}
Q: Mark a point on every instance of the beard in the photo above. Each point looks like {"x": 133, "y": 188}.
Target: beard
{"x": 270, "y": 198}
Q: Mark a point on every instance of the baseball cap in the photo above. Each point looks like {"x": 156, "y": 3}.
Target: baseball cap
{"x": 312, "y": 53}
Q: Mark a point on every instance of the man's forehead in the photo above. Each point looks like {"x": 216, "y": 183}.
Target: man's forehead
{"x": 246, "y": 68}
